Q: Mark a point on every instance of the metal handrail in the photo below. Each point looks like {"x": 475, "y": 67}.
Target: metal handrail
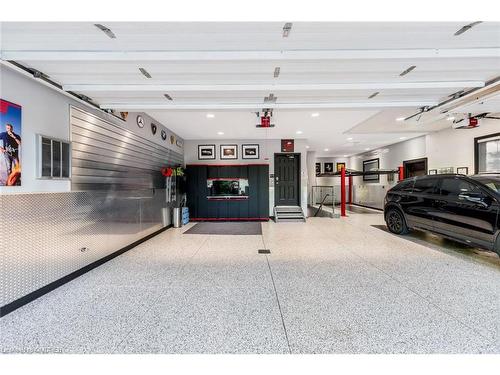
{"x": 321, "y": 205}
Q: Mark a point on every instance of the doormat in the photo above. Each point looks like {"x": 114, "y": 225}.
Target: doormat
{"x": 226, "y": 228}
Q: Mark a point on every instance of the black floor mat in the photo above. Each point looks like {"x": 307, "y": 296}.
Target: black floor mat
{"x": 226, "y": 228}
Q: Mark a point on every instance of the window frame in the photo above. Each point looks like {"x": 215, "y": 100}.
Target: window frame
{"x": 477, "y": 141}
{"x": 39, "y": 155}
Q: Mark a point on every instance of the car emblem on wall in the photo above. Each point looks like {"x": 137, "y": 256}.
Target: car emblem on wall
{"x": 154, "y": 128}
{"x": 163, "y": 134}
{"x": 140, "y": 121}
{"x": 172, "y": 139}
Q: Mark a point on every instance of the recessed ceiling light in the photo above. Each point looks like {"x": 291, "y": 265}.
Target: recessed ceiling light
{"x": 298, "y": 132}
{"x": 326, "y": 149}
{"x": 450, "y": 118}
{"x": 210, "y": 115}
{"x": 402, "y": 137}
{"x": 400, "y": 119}
{"x": 345, "y": 156}
{"x": 145, "y": 73}
{"x": 406, "y": 71}
{"x": 307, "y": 146}
{"x": 315, "y": 114}
{"x": 220, "y": 133}
{"x": 349, "y": 139}
{"x": 367, "y": 149}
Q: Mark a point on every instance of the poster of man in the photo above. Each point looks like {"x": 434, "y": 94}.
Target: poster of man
{"x": 10, "y": 144}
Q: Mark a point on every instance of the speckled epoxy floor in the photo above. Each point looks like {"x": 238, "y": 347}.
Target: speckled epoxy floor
{"x": 329, "y": 286}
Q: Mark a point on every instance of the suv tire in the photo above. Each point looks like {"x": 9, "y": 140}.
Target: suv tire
{"x": 396, "y": 222}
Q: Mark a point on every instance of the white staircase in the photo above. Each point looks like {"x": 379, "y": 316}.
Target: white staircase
{"x": 288, "y": 213}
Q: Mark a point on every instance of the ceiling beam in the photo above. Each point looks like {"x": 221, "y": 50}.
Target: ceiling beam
{"x": 99, "y": 55}
{"x": 258, "y": 106}
{"x": 272, "y": 87}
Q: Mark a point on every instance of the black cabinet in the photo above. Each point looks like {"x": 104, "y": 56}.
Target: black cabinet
{"x": 254, "y": 207}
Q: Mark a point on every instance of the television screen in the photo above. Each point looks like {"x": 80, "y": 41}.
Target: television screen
{"x": 237, "y": 187}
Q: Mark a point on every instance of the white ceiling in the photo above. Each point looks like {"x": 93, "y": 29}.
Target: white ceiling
{"x": 323, "y": 66}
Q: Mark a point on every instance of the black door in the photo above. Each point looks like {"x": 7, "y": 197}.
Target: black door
{"x": 466, "y": 212}
{"x": 286, "y": 177}
{"x": 420, "y": 206}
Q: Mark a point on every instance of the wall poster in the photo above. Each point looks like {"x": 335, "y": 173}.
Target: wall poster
{"x": 10, "y": 144}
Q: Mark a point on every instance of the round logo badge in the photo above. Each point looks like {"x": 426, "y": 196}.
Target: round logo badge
{"x": 154, "y": 128}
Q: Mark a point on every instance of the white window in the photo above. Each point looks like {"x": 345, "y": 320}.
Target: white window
{"x": 54, "y": 158}
{"x": 488, "y": 154}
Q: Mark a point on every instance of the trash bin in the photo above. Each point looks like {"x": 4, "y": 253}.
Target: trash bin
{"x": 177, "y": 219}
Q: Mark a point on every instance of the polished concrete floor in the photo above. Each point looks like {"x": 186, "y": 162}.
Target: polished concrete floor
{"x": 328, "y": 286}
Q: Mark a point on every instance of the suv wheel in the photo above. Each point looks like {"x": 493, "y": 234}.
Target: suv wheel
{"x": 396, "y": 222}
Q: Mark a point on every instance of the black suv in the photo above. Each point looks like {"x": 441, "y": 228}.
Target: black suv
{"x": 465, "y": 209}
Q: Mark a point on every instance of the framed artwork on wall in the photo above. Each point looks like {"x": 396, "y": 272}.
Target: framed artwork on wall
{"x": 228, "y": 152}
{"x": 250, "y": 151}
{"x": 463, "y": 170}
{"x": 318, "y": 169}
{"x": 206, "y": 152}
{"x": 370, "y": 166}
{"x": 328, "y": 167}
{"x": 10, "y": 143}
{"x": 339, "y": 166}
{"x": 433, "y": 171}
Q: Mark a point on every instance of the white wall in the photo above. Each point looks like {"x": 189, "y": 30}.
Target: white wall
{"x": 45, "y": 111}
{"x": 267, "y": 149}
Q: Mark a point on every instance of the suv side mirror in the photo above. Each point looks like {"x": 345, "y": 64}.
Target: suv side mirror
{"x": 476, "y": 198}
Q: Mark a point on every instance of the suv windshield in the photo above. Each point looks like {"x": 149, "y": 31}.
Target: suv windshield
{"x": 492, "y": 182}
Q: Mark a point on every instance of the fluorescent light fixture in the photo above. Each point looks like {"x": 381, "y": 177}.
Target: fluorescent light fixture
{"x": 167, "y": 96}
{"x": 326, "y": 149}
{"x": 373, "y": 95}
{"x": 277, "y": 72}
{"x": 400, "y": 119}
{"x": 145, "y": 73}
{"x": 467, "y": 28}
{"x": 286, "y": 29}
{"x": 405, "y": 72}
{"x": 220, "y": 133}
{"x": 210, "y": 115}
{"x": 315, "y": 114}
{"x": 450, "y": 118}
{"x": 298, "y": 132}
{"x": 105, "y": 30}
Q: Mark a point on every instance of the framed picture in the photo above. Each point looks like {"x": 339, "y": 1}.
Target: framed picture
{"x": 370, "y": 166}
{"x": 206, "y": 152}
{"x": 446, "y": 170}
{"x": 339, "y": 166}
{"x": 287, "y": 145}
{"x": 11, "y": 143}
{"x": 463, "y": 170}
{"x": 328, "y": 167}
{"x": 318, "y": 169}
{"x": 228, "y": 152}
{"x": 433, "y": 171}
{"x": 250, "y": 151}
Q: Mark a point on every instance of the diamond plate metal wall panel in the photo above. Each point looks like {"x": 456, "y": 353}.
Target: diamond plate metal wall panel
{"x": 43, "y": 235}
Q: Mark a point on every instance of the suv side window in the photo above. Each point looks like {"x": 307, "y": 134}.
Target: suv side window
{"x": 405, "y": 186}
{"x": 452, "y": 187}
{"x": 426, "y": 186}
